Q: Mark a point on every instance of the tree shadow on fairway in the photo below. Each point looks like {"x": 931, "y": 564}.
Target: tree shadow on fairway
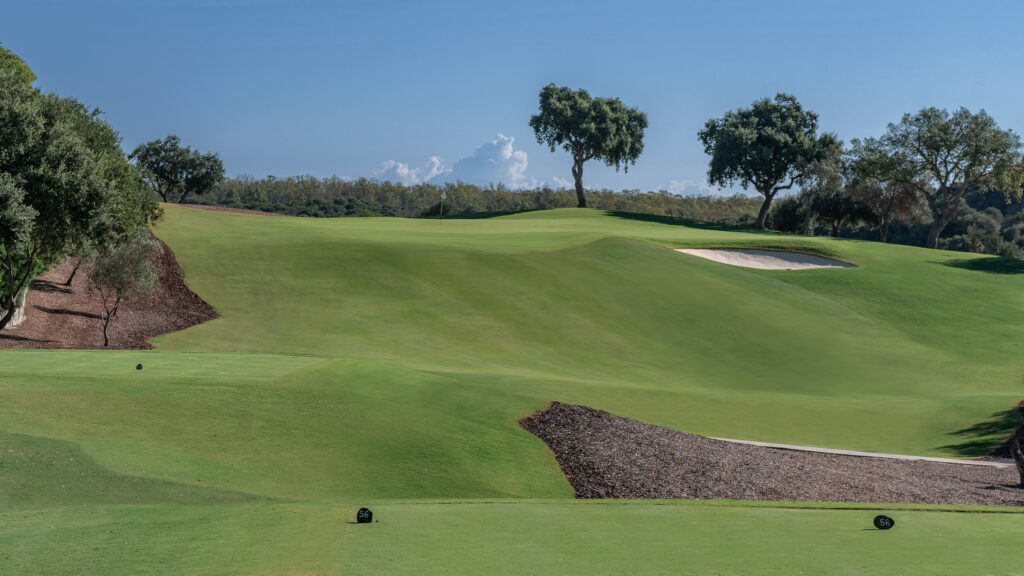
{"x": 988, "y": 438}
{"x": 994, "y": 265}
{"x": 434, "y": 213}
{"x": 689, "y": 223}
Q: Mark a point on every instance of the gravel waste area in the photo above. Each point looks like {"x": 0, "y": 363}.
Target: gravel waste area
{"x": 607, "y": 456}
{"x": 59, "y": 316}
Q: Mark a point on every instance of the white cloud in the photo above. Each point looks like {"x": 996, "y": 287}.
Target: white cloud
{"x": 395, "y": 171}
{"x": 559, "y": 183}
{"x": 690, "y": 188}
{"x": 492, "y": 162}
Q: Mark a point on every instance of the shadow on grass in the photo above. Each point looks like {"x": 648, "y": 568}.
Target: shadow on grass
{"x": 689, "y": 223}
{"x": 484, "y": 215}
{"x": 42, "y": 472}
{"x": 994, "y": 265}
{"x": 772, "y": 240}
{"x": 988, "y": 438}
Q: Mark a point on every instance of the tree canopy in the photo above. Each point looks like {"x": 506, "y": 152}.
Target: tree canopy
{"x": 171, "y": 169}
{"x": 942, "y": 155}
{"x": 589, "y": 128}
{"x": 123, "y": 272}
{"x": 769, "y": 146}
{"x": 886, "y": 201}
{"x": 63, "y": 178}
{"x": 11, "y": 62}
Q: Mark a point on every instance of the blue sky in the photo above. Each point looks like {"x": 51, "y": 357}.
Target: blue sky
{"x": 446, "y": 89}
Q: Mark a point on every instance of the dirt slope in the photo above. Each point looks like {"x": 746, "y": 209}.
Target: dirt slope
{"x": 59, "y": 316}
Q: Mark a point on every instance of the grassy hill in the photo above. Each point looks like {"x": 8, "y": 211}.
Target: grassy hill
{"x": 387, "y": 361}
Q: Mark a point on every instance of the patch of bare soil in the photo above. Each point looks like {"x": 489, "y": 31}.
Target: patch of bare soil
{"x": 229, "y": 209}
{"x": 607, "y": 456}
{"x": 59, "y": 316}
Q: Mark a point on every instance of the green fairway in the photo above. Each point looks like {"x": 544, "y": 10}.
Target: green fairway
{"x": 385, "y": 360}
{"x": 527, "y": 537}
{"x": 585, "y": 307}
{"x": 123, "y": 363}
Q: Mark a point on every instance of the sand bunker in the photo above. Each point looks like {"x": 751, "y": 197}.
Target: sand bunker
{"x": 766, "y": 259}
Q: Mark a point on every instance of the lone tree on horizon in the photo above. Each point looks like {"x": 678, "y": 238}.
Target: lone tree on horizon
{"x": 589, "y": 128}
{"x": 941, "y": 156}
{"x": 169, "y": 168}
{"x": 771, "y": 146}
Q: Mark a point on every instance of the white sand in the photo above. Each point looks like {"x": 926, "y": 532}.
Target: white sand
{"x": 766, "y": 259}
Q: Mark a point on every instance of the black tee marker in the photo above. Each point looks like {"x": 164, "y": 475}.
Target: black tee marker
{"x": 138, "y": 366}
{"x": 364, "y": 516}
{"x": 884, "y": 522}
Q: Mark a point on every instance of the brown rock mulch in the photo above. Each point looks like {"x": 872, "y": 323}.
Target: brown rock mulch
{"x": 607, "y": 456}
{"x": 59, "y": 316}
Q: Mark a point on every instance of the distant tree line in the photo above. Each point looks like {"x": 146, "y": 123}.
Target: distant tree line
{"x": 334, "y": 197}
{"x": 936, "y": 178}
{"x": 985, "y": 222}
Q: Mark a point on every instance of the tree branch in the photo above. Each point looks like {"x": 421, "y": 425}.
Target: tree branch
{"x": 930, "y": 161}
{"x": 778, "y": 189}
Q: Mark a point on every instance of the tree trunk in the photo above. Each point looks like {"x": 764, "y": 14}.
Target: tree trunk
{"x": 8, "y": 315}
{"x": 835, "y": 229}
{"x": 808, "y": 210}
{"x": 17, "y": 292}
{"x": 17, "y": 306}
{"x": 762, "y": 215}
{"x": 933, "y": 233}
{"x": 883, "y": 231}
{"x": 577, "y": 174}
{"x": 949, "y": 208}
{"x": 73, "y": 272}
{"x": 12, "y": 303}
{"x": 106, "y": 320}
{"x": 1018, "y": 455}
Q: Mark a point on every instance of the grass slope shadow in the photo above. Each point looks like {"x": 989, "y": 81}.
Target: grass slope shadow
{"x": 468, "y": 215}
{"x": 993, "y": 265}
{"x": 678, "y": 221}
{"x": 39, "y": 471}
{"x": 988, "y": 438}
